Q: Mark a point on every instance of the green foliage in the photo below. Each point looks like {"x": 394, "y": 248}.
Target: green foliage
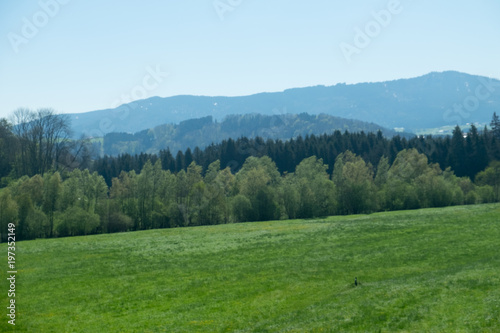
{"x": 408, "y": 165}
{"x": 34, "y": 188}
{"x": 258, "y": 180}
{"x": 119, "y": 222}
{"x": 491, "y": 177}
{"x": 76, "y": 221}
{"x": 382, "y": 172}
{"x": 8, "y": 213}
{"x": 353, "y": 179}
{"x": 472, "y": 198}
{"x": 157, "y": 198}
{"x": 51, "y": 192}
{"x": 242, "y": 208}
{"x": 316, "y": 190}
{"x": 486, "y": 193}
{"x": 37, "y": 224}
{"x": 83, "y": 189}
{"x": 290, "y": 197}
{"x": 466, "y": 157}
{"x": 414, "y": 183}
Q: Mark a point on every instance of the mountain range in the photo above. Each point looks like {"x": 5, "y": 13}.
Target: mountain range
{"x": 430, "y": 101}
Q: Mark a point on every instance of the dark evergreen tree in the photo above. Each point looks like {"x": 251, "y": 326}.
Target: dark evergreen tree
{"x": 188, "y": 157}
{"x": 495, "y": 125}
{"x": 167, "y": 160}
{"x": 457, "y": 157}
{"x": 179, "y": 161}
{"x": 476, "y": 155}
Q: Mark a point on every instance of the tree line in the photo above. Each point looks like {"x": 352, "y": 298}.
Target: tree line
{"x": 81, "y": 203}
{"x": 240, "y": 180}
{"x": 465, "y": 153}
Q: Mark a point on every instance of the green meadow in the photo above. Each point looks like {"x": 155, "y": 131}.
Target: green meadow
{"x": 432, "y": 270}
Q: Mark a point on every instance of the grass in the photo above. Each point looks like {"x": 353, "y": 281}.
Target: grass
{"x": 433, "y": 270}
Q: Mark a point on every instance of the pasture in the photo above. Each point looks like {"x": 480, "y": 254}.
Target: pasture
{"x": 431, "y": 270}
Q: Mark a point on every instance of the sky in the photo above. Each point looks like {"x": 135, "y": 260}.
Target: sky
{"x": 78, "y": 56}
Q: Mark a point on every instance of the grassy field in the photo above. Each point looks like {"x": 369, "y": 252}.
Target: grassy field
{"x": 433, "y": 270}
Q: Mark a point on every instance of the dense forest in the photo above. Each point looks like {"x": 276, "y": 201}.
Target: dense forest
{"x": 235, "y": 181}
{"x": 204, "y": 131}
{"x": 465, "y": 153}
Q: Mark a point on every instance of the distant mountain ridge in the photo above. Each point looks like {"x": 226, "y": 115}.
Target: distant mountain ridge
{"x": 429, "y": 101}
{"x": 204, "y": 131}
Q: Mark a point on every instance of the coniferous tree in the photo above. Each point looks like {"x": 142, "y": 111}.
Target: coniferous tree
{"x": 457, "y": 157}
{"x": 188, "y": 157}
{"x": 495, "y": 125}
{"x": 476, "y": 155}
{"x": 179, "y": 161}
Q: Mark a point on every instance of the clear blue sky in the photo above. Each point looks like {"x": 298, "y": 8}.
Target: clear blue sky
{"x": 88, "y": 53}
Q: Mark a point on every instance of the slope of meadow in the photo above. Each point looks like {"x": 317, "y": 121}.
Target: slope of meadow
{"x": 428, "y": 270}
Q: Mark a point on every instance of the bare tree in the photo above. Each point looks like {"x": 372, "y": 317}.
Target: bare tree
{"x": 44, "y": 137}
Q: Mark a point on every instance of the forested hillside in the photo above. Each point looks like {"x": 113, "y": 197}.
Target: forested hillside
{"x": 465, "y": 154}
{"x": 242, "y": 180}
{"x": 205, "y": 131}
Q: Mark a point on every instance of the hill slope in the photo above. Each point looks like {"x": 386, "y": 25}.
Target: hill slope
{"x": 425, "y": 270}
{"x": 423, "y": 102}
{"x": 204, "y": 131}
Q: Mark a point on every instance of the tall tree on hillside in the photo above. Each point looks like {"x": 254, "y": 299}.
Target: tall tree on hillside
{"x": 457, "y": 157}
{"x": 167, "y": 160}
{"x": 188, "y": 157}
{"x": 315, "y": 188}
{"x": 145, "y": 190}
{"x": 52, "y": 191}
{"x": 179, "y": 161}
{"x": 189, "y": 188}
{"x": 382, "y": 172}
{"x": 290, "y": 196}
{"x": 476, "y": 154}
{"x": 258, "y": 180}
{"x": 398, "y": 190}
{"x": 495, "y": 125}
{"x": 124, "y": 192}
{"x": 353, "y": 179}
{"x": 214, "y": 209}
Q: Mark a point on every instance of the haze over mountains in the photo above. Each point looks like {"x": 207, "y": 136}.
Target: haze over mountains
{"x": 429, "y": 101}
